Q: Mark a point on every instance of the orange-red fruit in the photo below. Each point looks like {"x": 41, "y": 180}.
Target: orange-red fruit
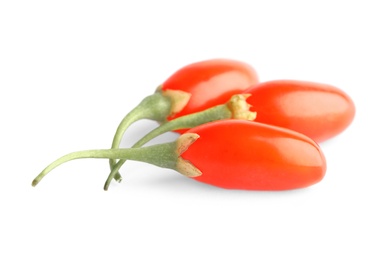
{"x": 210, "y": 83}
{"x": 238, "y": 154}
{"x": 317, "y": 110}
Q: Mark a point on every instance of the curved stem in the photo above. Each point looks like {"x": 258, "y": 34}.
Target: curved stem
{"x": 189, "y": 121}
{"x": 162, "y": 155}
{"x": 113, "y": 173}
{"x": 155, "y": 107}
{"x": 235, "y": 108}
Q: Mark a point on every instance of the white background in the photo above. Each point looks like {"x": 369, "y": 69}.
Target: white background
{"x": 70, "y": 71}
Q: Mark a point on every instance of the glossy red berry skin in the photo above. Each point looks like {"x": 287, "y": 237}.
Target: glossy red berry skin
{"x": 238, "y": 154}
{"x": 210, "y": 83}
{"x": 317, "y": 110}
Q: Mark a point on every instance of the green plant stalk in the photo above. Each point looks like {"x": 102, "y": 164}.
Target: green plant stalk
{"x": 156, "y": 107}
{"x": 166, "y": 155}
{"x": 235, "y": 108}
{"x": 153, "y": 107}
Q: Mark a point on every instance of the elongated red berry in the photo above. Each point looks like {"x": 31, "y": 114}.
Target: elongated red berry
{"x": 237, "y": 154}
{"x": 191, "y": 89}
{"x": 317, "y": 110}
{"x": 209, "y": 83}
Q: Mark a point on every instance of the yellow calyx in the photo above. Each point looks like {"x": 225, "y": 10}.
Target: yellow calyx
{"x": 240, "y": 108}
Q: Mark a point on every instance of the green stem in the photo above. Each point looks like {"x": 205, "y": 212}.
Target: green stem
{"x": 184, "y": 122}
{"x": 189, "y": 121}
{"x": 162, "y": 155}
{"x": 235, "y": 108}
{"x": 155, "y": 107}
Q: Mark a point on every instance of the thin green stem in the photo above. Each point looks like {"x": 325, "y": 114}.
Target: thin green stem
{"x": 189, "y": 121}
{"x": 162, "y": 155}
{"x": 236, "y": 107}
{"x": 184, "y": 122}
{"x": 155, "y": 107}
